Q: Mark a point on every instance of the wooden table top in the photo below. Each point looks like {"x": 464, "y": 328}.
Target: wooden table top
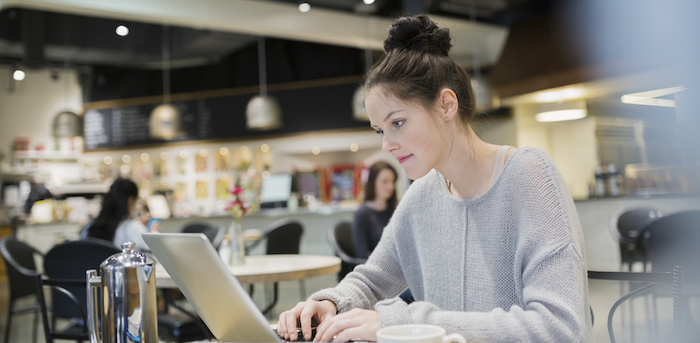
{"x": 270, "y": 268}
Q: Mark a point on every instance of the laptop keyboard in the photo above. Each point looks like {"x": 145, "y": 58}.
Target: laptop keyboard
{"x": 300, "y": 336}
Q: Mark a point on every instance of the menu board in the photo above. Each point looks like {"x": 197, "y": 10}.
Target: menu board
{"x": 222, "y": 117}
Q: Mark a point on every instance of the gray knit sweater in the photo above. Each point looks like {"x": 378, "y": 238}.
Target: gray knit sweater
{"x": 505, "y": 266}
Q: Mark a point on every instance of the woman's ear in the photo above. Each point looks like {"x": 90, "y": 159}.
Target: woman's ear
{"x": 448, "y": 104}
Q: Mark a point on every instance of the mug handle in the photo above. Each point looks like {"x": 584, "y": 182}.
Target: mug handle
{"x": 455, "y": 337}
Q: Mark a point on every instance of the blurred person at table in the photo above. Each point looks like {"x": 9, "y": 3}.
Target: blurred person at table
{"x": 487, "y": 237}
{"x": 115, "y": 223}
{"x": 373, "y": 215}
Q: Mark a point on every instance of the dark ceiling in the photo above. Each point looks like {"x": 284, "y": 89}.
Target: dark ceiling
{"x": 114, "y": 67}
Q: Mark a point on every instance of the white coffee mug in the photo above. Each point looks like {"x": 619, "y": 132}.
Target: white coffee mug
{"x": 417, "y": 333}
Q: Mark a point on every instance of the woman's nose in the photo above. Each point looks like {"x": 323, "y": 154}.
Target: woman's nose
{"x": 388, "y": 145}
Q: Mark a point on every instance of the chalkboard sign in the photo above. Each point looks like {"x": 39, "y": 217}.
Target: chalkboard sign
{"x": 223, "y": 117}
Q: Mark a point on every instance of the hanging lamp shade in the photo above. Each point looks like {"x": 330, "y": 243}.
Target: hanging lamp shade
{"x": 263, "y": 113}
{"x": 359, "y": 112}
{"x": 165, "y": 122}
{"x": 67, "y": 124}
{"x": 484, "y": 94}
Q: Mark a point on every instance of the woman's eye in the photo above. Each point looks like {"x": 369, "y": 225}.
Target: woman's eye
{"x": 397, "y": 124}
{"x": 380, "y": 132}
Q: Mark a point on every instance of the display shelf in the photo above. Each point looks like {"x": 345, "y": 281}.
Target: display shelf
{"x": 45, "y": 155}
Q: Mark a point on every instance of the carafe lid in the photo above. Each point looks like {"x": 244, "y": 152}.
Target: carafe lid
{"x": 127, "y": 258}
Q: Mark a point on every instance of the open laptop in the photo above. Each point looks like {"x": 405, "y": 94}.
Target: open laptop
{"x": 216, "y": 295}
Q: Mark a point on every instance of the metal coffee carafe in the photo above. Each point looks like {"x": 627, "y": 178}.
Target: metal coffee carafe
{"x": 123, "y": 299}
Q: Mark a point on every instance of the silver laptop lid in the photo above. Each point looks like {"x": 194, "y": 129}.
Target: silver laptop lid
{"x": 216, "y": 295}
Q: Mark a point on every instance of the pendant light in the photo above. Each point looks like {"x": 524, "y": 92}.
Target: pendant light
{"x": 66, "y": 124}
{"x": 263, "y": 112}
{"x": 165, "y": 118}
{"x": 481, "y": 85}
{"x": 359, "y": 112}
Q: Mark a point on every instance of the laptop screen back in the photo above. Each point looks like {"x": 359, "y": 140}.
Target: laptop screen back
{"x": 216, "y": 295}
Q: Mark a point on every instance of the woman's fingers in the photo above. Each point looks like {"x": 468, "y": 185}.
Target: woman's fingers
{"x": 354, "y": 324}
{"x": 287, "y": 324}
{"x": 302, "y": 315}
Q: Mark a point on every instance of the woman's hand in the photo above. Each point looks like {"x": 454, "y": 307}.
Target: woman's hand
{"x": 303, "y": 314}
{"x": 356, "y": 324}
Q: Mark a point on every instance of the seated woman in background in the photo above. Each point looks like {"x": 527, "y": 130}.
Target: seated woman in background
{"x": 373, "y": 215}
{"x": 114, "y": 223}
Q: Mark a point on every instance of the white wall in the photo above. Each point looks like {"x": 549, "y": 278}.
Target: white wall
{"x": 29, "y": 109}
{"x": 570, "y": 144}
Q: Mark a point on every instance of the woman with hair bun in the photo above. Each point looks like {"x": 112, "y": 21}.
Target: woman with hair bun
{"x": 487, "y": 237}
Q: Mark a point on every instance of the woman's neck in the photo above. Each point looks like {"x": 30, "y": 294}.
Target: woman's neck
{"x": 468, "y": 165}
{"x": 377, "y": 204}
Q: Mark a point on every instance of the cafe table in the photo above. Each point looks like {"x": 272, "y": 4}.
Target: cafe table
{"x": 270, "y": 268}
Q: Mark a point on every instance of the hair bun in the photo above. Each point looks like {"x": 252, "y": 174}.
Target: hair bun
{"x": 418, "y": 33}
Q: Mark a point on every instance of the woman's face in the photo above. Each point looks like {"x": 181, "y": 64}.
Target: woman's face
{"x": 409, "y": 132}
{"x": 384, "y": 184}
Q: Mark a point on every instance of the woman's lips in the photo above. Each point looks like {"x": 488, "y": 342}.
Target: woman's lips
{"x": 403, "y": 159}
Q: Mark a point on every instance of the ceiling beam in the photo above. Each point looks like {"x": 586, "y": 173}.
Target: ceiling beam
{"x": 471, "y": 41}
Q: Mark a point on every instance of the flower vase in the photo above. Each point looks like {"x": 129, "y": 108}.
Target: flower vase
{"x": 237, "y": 256}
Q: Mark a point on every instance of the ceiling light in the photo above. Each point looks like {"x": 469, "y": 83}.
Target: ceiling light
{"x": 264, "y": 148}
{"x": 145, "y": 157}
{"x": 561, "y": 111}
{"x": 203, "y": 152}
{"x": 368, "y": 2}
{"x": 263, "y": 112}
{"x": 183, "y": 154}
{"x": 108, "y": 160}
{"x": 354, "y": 147}
{"x": 126, "y": 158}
{"x": 304, "y": 7}
{"x": 652, "y": 98}
{"x": 560, "y": 95}
{"x": 315, "y": 150}
{"x": 122, "y": 30}
{"x": 18, "y": 75}
{"x": 163, "y": 155}
{"x": 359, "y": 112}
{"x": 245, "y": 149}
{"x": 223, "y": 151}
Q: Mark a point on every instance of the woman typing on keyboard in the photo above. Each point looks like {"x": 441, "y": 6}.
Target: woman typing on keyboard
{"x": 487, "y": 237}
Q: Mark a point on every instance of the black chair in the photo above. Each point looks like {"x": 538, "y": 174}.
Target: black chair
{"x": 674, "y": 240}
{"x": 215, "y": 234}
{"x": 21, "y": 272}
{"x": 64, "y": 266}
{"x": 282, "y": 237}
{"x": 340, "y": 240}
{"x": 651, "y": 282}
{"x": 626, "y": 226}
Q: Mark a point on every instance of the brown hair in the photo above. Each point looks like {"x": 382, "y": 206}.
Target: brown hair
{"x": 416, "y": 66}
{"x": 370, "y": 192}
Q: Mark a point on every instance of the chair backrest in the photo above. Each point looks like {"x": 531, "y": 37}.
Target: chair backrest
{"x": 674, "y": 240}
{"x": 69, "y": 261}
{"x": 283, "y": 237}
{"x": 215, "y": 234}
{"x": 20, "y": 266}
{"x": 340, "y": 240}
{"x": 627, "y": 223}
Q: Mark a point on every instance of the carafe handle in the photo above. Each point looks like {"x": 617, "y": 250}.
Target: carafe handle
{"x": 93, "y": 284}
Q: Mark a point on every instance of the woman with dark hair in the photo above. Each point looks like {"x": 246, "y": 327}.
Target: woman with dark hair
{"x": 373, "y": 215}
{"x": 114, "y": 222}
{"x": 487, "y": 237}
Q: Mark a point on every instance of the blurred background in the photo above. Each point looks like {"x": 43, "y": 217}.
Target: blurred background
{"x": 188, "y": 98}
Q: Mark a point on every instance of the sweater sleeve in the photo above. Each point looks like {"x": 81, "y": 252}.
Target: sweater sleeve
{"x": 380, "y": 278}
{"x": 553, "y": 310}
{"x": 360, "y": 234}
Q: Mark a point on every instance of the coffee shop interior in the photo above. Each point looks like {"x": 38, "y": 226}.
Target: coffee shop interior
{"x": 190, "y": 99}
